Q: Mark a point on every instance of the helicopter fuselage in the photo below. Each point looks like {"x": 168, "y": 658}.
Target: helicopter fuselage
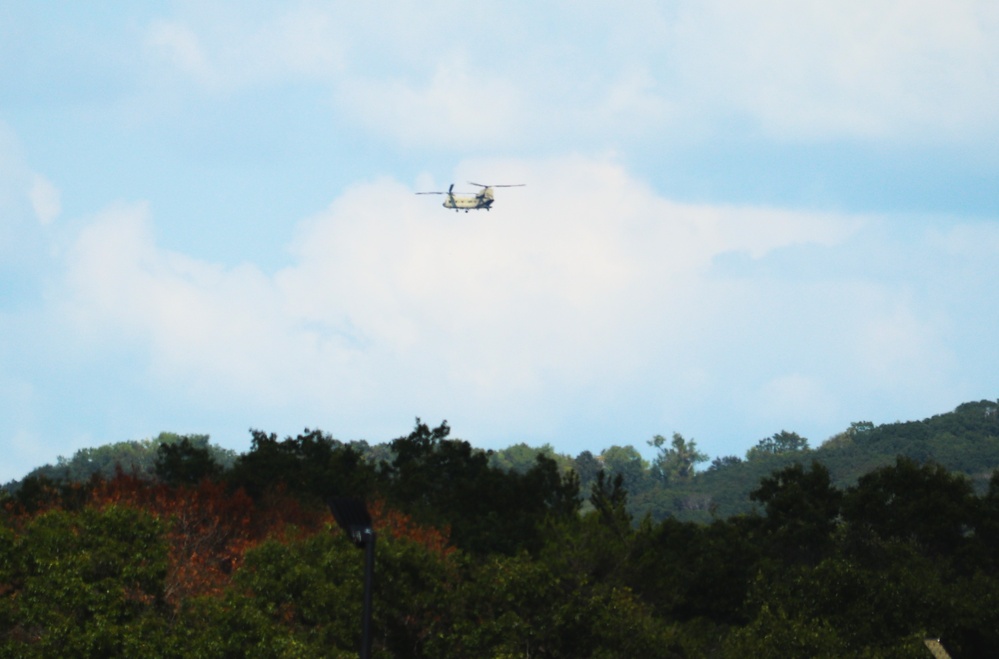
{"x": 483, "y": 199}
{"x": 468, "y": 202}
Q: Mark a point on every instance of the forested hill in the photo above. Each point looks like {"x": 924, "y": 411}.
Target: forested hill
{"x": 519, "y": 552}
{"x": 670, "y": 484}
{"x": 965, "y": 441}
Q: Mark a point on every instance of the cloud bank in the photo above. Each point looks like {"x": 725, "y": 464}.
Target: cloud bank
{"x": 898, "y": 71}
{"x": 579, "y": 300}
{"x": 207, "y": 219}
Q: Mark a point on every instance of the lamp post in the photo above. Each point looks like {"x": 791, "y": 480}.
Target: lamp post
{"x": 353, "y": 518}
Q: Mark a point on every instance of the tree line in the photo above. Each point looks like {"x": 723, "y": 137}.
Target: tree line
{"x": 481, "y": 557}
{"x": 678, "y": 480}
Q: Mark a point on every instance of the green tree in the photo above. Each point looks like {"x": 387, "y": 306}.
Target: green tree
{"x": 724, "y": 461}
{"x": 519, "y": 457}
{"x": 677, "y": 461}
{"x": 312, "y": 465}
{"x": 780, "y": 443}
{"x": 445, "y": 482}
{"x": 235, "y": 626}
{"x": 587, "y": 466}
{"x": 873, "y": 610}
{"x": 775, "y": 633}
{"x": 925, "y": 504}
{"x": 515, "y": 606}
{"x": 83, "y": 584}
{"x": 186, "y": 462}
{"x": 134, "y": 456}
{"x": 597, "y": 543}
{"x": 302, "y": 597}
{"x": 627, "y": 462}
{"x": 609, "y": 498}
{"x": 987, "y": 526}
{"x": 690, "y": 571}
{"x": 801, "y": 508}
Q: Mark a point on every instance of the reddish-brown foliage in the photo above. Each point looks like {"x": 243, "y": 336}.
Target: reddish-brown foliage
{"x": 401, "y": 525}
{"x": 210, "y": 528}
{"x": 279, "y": 514}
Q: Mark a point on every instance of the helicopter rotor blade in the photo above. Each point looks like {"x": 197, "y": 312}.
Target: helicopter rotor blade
{"x": 450, "y": 191}
{"x": 508, "y": 185}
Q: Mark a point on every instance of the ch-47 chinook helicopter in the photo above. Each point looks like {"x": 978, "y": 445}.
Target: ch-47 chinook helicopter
{"x": 471, "y": 201}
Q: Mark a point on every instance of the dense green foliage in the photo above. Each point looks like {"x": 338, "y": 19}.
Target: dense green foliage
{"x": 841, "y": 550}
{"x": 139, "y": 456}
{"x": 668, "y": 484}
{"x": 965, "y": 441}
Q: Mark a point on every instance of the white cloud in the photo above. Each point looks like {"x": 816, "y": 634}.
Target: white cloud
{"x": 13, "y": 180}
{"x": 27, "y": 201}
{"x": 227, "y": 51}
{"x": 586, "y": 294}
{"x": 980, "y": 239}
{"x": 181, "y": 46}
{"x": 453, "y": 108}
{"x": 927, "y": 70}
{"x": 45, "y": 199}
{"x": 900, "y": 347}
{"x": 582, "y": 284}
{"x": 795, "y": 400}
{"x": 563, "y": 284}
{"x": 20, "y": 407}
{"x": 202, "y": 325}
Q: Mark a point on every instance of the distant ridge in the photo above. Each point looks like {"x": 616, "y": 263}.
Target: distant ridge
{"x": 965, "y": 440}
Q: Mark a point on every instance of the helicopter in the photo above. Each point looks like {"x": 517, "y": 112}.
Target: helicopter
{"x": 472, "y": 201}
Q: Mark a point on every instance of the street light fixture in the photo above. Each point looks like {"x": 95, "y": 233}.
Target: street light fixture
{"x": 353, "y": 517}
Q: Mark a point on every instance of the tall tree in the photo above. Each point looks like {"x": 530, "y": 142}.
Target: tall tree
{"x": 925, "y": 504}
{"x": 312, "y": 465}
{"x": 83, "y": 584}
{"x": 185, "y": 462}
{"x": 779, "y": 443}
{"x": 801, "y": 508}
{"x": 627, "y": 462}
{"x": 445, "y": 481}
{"x": 676, "y": 461}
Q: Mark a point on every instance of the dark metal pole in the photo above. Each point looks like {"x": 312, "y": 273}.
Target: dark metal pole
{"x": 352, "y": 516}
{"x": 369, "y": 579}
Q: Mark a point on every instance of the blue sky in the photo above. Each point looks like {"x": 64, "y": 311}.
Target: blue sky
{"x": 740, "y": 217}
